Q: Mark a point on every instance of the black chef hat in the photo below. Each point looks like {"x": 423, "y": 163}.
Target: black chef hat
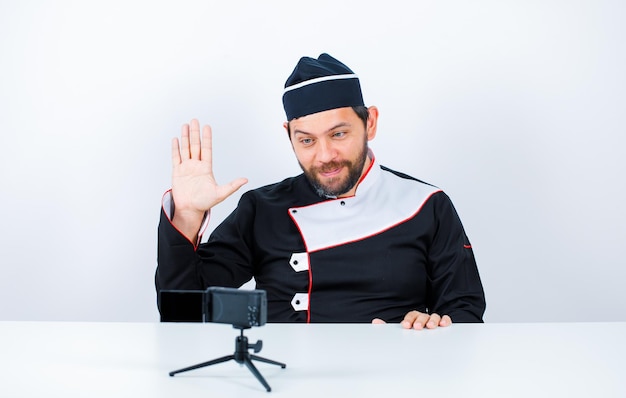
{"x": 317, "y": 85}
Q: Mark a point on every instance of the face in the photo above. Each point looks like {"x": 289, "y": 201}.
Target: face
{"x": 331, "y": 148}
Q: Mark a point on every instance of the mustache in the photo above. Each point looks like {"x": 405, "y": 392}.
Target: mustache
{"x": 331, "y": 166}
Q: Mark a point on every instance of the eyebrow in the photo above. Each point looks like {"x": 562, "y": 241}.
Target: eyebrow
{"x": 338, "y": 125}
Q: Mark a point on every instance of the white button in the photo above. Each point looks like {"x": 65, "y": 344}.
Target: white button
{"x": 300, "y": 301}
{"x": 299, "y": 261}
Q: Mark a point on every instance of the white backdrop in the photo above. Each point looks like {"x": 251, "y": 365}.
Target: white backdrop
{"x": 515, "y": 108}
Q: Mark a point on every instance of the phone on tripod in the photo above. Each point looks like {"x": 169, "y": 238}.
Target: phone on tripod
{"x": 239, "y": 307}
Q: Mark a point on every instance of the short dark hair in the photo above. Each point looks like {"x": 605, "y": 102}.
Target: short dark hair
{"x": 361, "y": 111}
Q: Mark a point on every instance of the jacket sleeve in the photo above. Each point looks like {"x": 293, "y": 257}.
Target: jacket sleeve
{"x": 181, "y": 265}
{"x": 456, "y": 288}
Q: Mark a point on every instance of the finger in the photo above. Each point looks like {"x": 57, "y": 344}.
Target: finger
{"x": 421, "y": 321}
{"x": 207, "y": 144}
{"x": 409, "y": 318}
{"x": 175, "y": 152}
{"x": 194, "y": 139}
{"x": 433, "y": 321}
{"x": 184, "y": 142}
{"x": 445, "y": 321}
{"x": 414, "y": 320}
{"x": 378, "y": 321}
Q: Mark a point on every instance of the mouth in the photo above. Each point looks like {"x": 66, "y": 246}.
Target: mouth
{"x": 331, "y": 173}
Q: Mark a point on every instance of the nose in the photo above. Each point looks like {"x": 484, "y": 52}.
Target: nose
{"x": 325, "y": 151}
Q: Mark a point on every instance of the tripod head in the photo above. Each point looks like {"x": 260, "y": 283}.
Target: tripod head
{"x": 242, "y": 344}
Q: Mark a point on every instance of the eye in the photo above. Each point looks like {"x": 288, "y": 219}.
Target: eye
{"x": 306, "y": 141}
{"x": 339, "y": 134}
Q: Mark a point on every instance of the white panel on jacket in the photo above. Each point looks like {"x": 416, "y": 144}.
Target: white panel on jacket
{"x": 382, "y": 201}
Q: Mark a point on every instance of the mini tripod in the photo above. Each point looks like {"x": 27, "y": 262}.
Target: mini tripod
{"x": 241, "y": 356}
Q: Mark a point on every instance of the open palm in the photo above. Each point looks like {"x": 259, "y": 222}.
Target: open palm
{"x": 194, "y": 188}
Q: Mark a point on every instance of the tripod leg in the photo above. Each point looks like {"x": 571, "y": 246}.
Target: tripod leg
{"x": 203, "y": 364}
{"x": 261, "y": 359}
{"x": 255, "y": 372}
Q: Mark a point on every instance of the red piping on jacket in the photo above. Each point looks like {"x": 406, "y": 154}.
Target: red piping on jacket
{"x": 203, "y": 226}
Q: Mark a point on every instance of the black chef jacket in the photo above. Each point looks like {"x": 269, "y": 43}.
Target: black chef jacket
{"x": 397, "y": 245}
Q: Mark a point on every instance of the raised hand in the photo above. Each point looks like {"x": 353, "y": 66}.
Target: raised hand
{"x": 194, "y": 188}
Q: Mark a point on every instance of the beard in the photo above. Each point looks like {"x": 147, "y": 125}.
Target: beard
{"x": 337, "y": 186}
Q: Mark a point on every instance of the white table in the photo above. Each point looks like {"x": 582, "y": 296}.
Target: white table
{"x": 76, "y": 359}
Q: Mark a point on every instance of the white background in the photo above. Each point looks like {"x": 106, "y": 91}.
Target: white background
{"x": 515, "y": 108}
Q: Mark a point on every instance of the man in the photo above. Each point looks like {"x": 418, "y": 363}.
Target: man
{"x": 349, "y": 240}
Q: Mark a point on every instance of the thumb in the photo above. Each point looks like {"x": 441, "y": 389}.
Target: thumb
{"x": 237, "y": 183}
{"x": 226, "y": 190}
{"x": 377, "y": 321}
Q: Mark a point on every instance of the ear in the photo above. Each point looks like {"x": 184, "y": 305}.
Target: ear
{"x": 286, "y": 127}
{"x": 372, "y": 122}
